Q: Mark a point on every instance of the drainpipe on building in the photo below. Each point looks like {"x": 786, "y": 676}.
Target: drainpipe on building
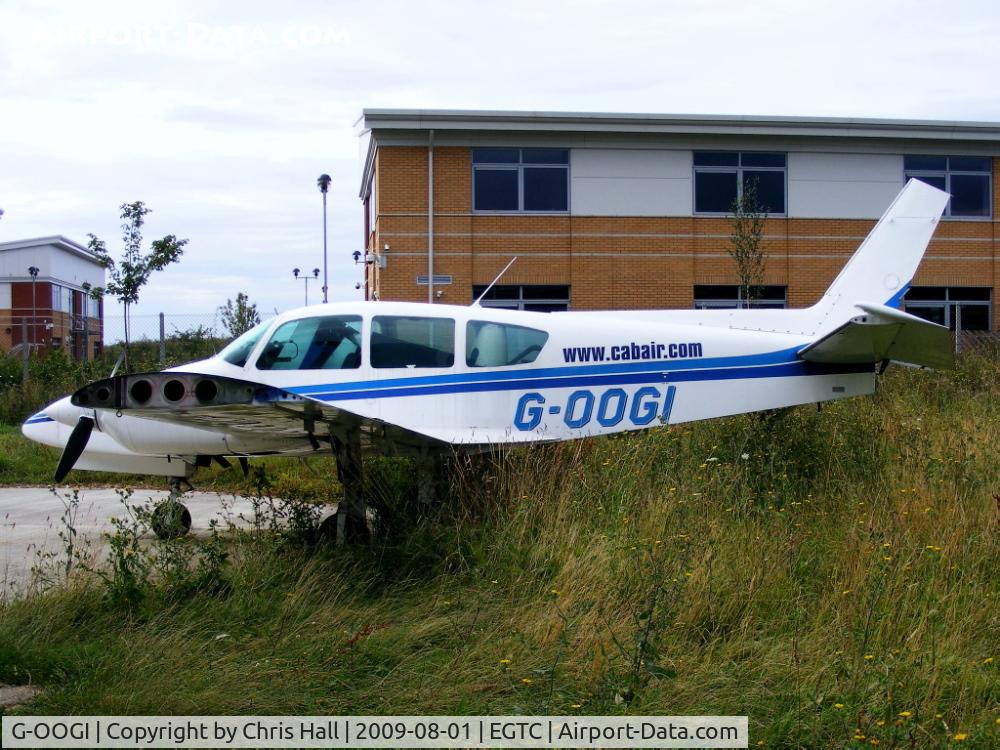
{"x": 430, "y": 217}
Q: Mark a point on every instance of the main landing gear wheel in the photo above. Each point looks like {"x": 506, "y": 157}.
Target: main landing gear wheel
{"x": 171, "y": 519}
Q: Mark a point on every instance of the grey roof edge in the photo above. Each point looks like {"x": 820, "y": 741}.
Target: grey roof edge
{"x": 374, "y": 118}
{"x": 63, "y": 243}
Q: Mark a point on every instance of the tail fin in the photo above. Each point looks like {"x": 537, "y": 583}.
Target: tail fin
{"x": 881, "y": 269}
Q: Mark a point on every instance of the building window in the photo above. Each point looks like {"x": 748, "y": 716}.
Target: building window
{"x": 93, "y": 306}
{"x": 400, "y": 341}
{"x": 62, "y": 299}
{"x": 720, "y": 176}
{"x": 532, "y": 297}
{"x": 520, "y": 179}
{"x": 967, "y": 178}
{"x": 967, "y": 307}
{"x": 730, "y": 296}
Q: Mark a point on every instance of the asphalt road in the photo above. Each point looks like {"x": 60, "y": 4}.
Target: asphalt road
{"x": 31, "y": 518}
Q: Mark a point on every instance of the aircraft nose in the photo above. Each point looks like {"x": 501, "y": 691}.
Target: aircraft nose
{"x": 41, "y": 428}
{"x": 63, "y": 411}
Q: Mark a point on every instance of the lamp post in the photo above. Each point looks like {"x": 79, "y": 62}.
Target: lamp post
{"x": 33, "y": 271}
{"x": 323, "y": 182}
{"x": 305, "y": 278}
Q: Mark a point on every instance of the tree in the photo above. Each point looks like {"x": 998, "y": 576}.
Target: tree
{"x": 240, "y": 316}
{"x": 131, "y": 274}
{"x": 745, "y": 240}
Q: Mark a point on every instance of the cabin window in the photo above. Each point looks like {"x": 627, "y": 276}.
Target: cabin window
{"x": 330, "y": 342}
{"x": 498, "y": 344}
{"x": 403, "y": 341}
{"x": 239, "y": 349}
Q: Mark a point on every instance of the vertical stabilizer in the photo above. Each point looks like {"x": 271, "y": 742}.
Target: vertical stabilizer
{"x": 881, "y": 269}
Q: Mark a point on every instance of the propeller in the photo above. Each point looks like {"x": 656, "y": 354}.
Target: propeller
{"x": 75, "y": 446}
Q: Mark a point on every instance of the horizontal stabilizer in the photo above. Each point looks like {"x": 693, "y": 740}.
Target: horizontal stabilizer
{"x": 884, "y": 333}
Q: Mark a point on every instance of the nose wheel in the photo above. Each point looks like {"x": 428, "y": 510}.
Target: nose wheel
{"x": 171, "y": 518}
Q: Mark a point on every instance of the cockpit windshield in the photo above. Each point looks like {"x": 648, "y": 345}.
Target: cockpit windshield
{"x": 330, "y": 342}
{"x": 239, "y": 349}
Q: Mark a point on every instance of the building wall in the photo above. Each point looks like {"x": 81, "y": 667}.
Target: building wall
{"x": 22, "y": 300}
{"x": 630, "y": 240}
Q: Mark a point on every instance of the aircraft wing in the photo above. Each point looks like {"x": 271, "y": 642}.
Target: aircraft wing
{"x": 236, "y": 406}
{"x": 884, "y": 333}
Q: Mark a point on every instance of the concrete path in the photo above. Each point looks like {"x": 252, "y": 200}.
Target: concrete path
{"x": 31, "y": 518}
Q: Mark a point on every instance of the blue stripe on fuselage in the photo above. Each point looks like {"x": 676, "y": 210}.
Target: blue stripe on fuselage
{"x": 39, "y": 419}
{"x": 492, "y": 376}
{"x": 788, "y": 369}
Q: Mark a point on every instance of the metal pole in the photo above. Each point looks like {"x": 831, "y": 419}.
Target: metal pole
{"x": 25, "y": 348}
{"x": 34, "y": 308}
{"x": 163, "y": 340}
{"x": 325, "y": 300}
{"x": 430, "y": 217}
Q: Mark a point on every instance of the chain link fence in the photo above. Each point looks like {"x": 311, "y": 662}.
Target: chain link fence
{"x": 171, "y": 338}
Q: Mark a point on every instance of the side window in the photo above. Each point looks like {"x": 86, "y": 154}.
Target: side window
{"x": 331, "y": 342}
{"x": 401, "y": 341}
{"x": 498, "y": 345}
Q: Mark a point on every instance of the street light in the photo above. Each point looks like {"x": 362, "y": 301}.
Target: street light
{"x": 33, "y": 271}
{"x": 324, "y": 185}
{"x": 305, "y": 278}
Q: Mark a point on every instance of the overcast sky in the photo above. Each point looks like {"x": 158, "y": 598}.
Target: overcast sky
{"x": 220, "y": 115}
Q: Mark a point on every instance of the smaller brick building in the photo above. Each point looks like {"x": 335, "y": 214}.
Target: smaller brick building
{"x": 44, "y": 300}
{"x": 629, "y": 211}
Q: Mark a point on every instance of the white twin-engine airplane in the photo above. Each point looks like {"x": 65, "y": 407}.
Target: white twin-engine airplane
{"x": 424, "y": 380}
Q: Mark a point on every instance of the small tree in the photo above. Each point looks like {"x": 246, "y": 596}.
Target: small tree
{"x": 745, "y": 240}
{"x": 240, "y": 316}
{"x": 131, "y": 274}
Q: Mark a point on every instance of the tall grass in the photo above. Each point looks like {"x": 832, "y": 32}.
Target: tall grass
{"x": 832, "y": 574}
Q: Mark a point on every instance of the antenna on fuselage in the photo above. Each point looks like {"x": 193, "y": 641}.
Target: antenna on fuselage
{"x": 493, "y": 283}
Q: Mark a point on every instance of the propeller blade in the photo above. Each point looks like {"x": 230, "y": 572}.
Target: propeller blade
{"x": 74, "y": 447}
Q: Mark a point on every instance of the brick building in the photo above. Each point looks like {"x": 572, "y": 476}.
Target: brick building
{"x": 43, "y": 296}
{"x": 624, "y": 211}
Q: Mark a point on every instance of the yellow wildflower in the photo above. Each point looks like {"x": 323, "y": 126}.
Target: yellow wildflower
{"x": 576, "y": 705}
{"x": 905, "y": 714}
{"x": 838, "y": 706}
{"x": 988, "y": 660}
{"x": 526, "y": 680}
{"x": 960, "y": 737}
{"x": 505, "y": 661}
{"x": 869, "y": 657}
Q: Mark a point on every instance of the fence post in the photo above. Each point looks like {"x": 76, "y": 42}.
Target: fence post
{"x": 958, "y": 327}
{"x": 163, "y": 340}
{"x": 25, "y": 349}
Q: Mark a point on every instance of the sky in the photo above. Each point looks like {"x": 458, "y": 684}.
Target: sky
{"x": 221, "y": 115}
